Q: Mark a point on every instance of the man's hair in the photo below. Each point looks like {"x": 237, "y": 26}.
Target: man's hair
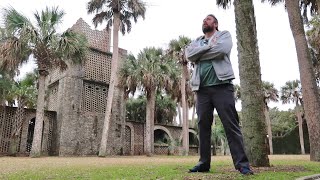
{"x": 215, "y": 19}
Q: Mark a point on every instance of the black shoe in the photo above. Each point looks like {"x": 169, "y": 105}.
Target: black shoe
{"x": 246, "y": 171}
{"x": 198, "y": 169}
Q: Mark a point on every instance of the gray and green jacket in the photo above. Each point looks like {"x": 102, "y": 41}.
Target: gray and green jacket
{"x": 218, "y": 52}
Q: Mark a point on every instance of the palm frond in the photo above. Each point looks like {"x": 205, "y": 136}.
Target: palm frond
{"x": 95, "y": 5}
{"x": 15, "y": 21}
{"x": 223, "y": 3}
{"x": 72, "y": 47}
{"x": 105, "y": 9}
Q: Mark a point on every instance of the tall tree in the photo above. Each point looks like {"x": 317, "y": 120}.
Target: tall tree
{"x": 307, "y": 77}
{"x": 253, "y": 123}
{"x": 49, "y": 48}
{"x": 270, "y": 94}
{"x": 177, "y": 50}
{"x": 116, "y": 13}
{"x": 292, "y": 92}
{"x": 151, "y": 71}
{"x": 311, "y": 99}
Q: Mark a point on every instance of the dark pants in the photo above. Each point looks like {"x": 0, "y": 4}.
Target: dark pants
{"x": 221, "y": 98}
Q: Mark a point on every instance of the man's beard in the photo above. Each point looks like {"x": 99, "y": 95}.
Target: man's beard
{"x": 206, "y": 29}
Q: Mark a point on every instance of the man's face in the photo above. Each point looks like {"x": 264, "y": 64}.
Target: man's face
{"x": 209, "y": 24}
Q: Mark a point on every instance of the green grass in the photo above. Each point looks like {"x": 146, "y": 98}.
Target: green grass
{"x": 141, "y": 167}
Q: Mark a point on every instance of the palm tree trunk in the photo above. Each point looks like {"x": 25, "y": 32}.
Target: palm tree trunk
{"x": 179, "y": 114}
{"x": 151, "y": 99}
{"x": 299, "y": 117}
{"x": 269, "y": 129}
{"x": 185, "y": 126}
{"x": 111, "y": 90}
{"x": 214, "y": 144}
{"x": 193, "y": 116}
{"x": 37, "y": 137}
{"x": 251, "y": 85}
{"x": 17, "y": 127}
{"x": 307, "y": 77}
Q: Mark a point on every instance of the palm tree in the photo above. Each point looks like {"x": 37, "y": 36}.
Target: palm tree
{"x": 24, "y": 92}
{"x": 307, "y": 77}
{"x": 49, "y": 49}
{"x": 117, "y": 14}
{"x": 270, "y": 94}
{"x": 177, "y": 51}
{"x": 150, "y": 71}
{"x": 292, "y": 92}
{"x": 254, "y": 130}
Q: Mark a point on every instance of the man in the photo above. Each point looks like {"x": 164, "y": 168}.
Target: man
{"x": 212, "y": 80}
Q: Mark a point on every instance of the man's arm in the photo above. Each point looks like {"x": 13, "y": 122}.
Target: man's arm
{"x": 219, "y": 47}
{"x": 194, "y": 51}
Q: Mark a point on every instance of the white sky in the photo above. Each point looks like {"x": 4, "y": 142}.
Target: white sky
{"x": 168, "y": 19}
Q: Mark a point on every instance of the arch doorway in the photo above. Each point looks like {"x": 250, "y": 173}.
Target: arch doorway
{"x": 32, "y": 123}
{"x": 31, "y": 127}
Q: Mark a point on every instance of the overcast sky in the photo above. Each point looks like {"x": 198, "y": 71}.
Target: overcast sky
{"x": 168, "y": 19}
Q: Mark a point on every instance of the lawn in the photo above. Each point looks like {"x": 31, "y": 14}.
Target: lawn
{"x": 284, "y": 167}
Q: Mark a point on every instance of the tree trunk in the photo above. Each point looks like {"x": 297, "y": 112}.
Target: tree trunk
{"x": 151, "y": 99}
{"x": 179, "y": 114}
{"x": 214, "y": 144}
{"x": 299, "y": 117}
{"x": 185, "y": 126}
{"x": 193, "y": 116}
{"x": 309, "y": 88}
{"x": 318, "y": 4}
{"x": 17, "y": 127}
{"x": 111, "y": 90}
{"x": 253, "y": 121}
{"x": 269, "y": 129}
{"x": 37, "y": 136}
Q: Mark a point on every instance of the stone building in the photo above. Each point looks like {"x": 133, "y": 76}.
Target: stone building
{"x": 75, "y": 104}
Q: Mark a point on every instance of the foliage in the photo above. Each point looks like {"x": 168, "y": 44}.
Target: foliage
{"x": 165, "y": 110}
{"x": 314, "y": 42}
{"x": 5, "y": 83}
{"x": 289, "y": 143}
{"x": 218, "y": 135}
{"x": 237, "y": 94}
{"x": 282, "y": 121}
{"x": 105, "y": 10}
{"x": 26, "y": 90}
{"x": 136, "y": 109}
{"x": 291, "y": 92}
{"x": 305, "y": 5}
{"x": 270, "y": 92}
{"x": 176, "y": 52}
{"x": 150, "y": 70}
{"x": 50, "y": 49}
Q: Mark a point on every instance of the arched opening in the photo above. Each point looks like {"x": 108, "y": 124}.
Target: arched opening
{"x": 31, "y": 127}
{"x": 193, "y": 143}
{"x": 193, "y": 139}
{"x": 161, "y": 142}
{"x": 161, "y": 137}
{"x": 32, "y": 123}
